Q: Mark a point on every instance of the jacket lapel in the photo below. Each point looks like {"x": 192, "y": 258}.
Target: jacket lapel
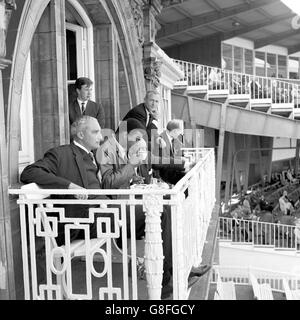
{"x": 77, "y": 108}
{"x": 168, "y": 144}
{"x": 87, "y": 108}
{"x": 80, "y": 164}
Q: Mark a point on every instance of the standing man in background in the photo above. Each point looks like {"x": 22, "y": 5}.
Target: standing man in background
{"x": 146, "y": 113}
{"x": 82, "y": 105}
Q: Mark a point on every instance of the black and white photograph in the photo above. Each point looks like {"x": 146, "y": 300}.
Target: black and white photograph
{"x": 149, "y": 153}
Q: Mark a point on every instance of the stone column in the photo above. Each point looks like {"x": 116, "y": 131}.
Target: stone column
{"x": 154, "y": 258}
{"x": 7, "y": 281}
{"x": 297, "y": 157}
{"x": 151, "y": 63}
{"x": 49, "y": 80}
{"x": 107, "y": 75}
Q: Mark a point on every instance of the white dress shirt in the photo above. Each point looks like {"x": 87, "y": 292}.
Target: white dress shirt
{"x": 82, "y": 107}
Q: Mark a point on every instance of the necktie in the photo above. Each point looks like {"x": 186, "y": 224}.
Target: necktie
{"x": 150, "y": 119}
{"x": 99, "y": 176}
{"x": 173, "y": 146}
{"x": 82, "y": 107}
{"x": 93, "y": 158}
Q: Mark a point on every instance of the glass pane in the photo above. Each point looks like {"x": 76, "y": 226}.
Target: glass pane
{"x": 282, "y": 60}
{"x": 260, "y": 63}
{"x": 238, "y": 65}
{"x": 238, "y": 59}
{"x": 282, "y": 66}
{"x": 271, "y": 59}
{"x": 238, "y": 53}
{"x": 71, "y": 55}
{"x": 271, "y": 65}
{"x": 293, "y": 75}
{"x": 228, "y": 63}
{"x": 282, "y": 73}
{"x": 248, "y": 55}
{"x": 293, "y": 67}
{"x": 248, "y": 68}
{"x": 227, "y": 50}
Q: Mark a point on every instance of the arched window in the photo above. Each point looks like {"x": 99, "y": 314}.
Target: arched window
{"x": 80, "y": 62}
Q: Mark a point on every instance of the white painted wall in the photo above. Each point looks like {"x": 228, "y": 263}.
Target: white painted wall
{"x": 274, "y": 49}
{"x": 249, "y": 44}
{"x": 240, "y": 42}
{"x": 285, "y": 153}
{"x": 246, "y": 256}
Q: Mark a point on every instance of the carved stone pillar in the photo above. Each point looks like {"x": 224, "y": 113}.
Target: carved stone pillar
{"x": 150, "y": 10}
{"x": 154, "y": 258}
{"x": 137, "y": 12}
{"x": 151, "y": 70}
{"x": 151, "y": 63}
{"x": 6, "y": 7}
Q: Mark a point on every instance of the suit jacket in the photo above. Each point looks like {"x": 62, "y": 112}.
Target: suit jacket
{"x": 115, "y": 170}
{"x": 139, "y": 113}
{"x": 168, "y": 150}
{"x": 173, "y": 172}
{"x": 93, "y": 109}
{"x": 59, "y": 167}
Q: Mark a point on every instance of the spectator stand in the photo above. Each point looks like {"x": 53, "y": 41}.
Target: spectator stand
{"x": 291, "y": 294}
{"x": 262, "y": 291}
{"x": 225, "y": 289}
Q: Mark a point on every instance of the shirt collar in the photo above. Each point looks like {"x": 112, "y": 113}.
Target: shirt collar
{"x": 168, "y": 135}
{"x": 81, "y": 146}
{"x": 147, "y": 115}
{"x": 81, "y": 102}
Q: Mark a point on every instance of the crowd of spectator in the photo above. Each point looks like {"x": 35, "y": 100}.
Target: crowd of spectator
{"x": 238, "y": 83}
{"x": 279, "y": 206}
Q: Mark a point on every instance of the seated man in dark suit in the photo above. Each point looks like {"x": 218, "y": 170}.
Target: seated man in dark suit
{"x": 119, "y": 169}
{"x": 82, "y": 105}
{"x": 71, "y": 166}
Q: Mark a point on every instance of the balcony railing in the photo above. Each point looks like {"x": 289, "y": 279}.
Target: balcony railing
{"x": 256, "y": 233}
{"x": 282, "y": 95}
{"x": 240, "y": 276}
{"x": 190, "y": 204}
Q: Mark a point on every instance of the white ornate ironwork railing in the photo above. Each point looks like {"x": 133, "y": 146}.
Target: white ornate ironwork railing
{"x": 240, "y": 276}
{"x": 190, "y": 203}
{"x": 252, "y": 232}
{"x": 279, "y": 93}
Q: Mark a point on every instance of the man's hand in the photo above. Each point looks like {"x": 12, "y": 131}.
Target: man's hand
{"x": 134, "y": 160}
{"x": 137, "y": 179}
{"x": 78, "y": 196}
{"x": 137, "y": 153}
{"x": 188, "y": 166}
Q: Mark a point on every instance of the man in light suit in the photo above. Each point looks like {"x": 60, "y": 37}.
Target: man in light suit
{"x": 82, "y": 105}
{"x": 172, "y": 151}
{"x": 71, "y": 166}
